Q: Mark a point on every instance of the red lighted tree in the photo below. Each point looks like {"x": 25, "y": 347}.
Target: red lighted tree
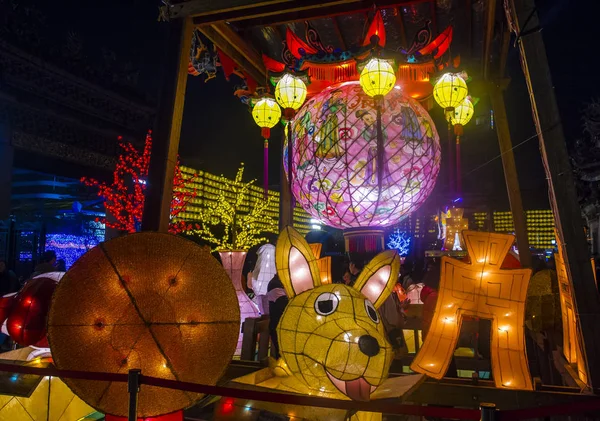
{"x": 124, "y": 197}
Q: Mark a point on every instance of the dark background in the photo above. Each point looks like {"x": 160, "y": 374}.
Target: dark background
{"x": 219, "y": 132}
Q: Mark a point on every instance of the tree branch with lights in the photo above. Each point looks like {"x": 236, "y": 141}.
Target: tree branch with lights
{"x": 240, "y": 230}
{"x": 124, "y": 197}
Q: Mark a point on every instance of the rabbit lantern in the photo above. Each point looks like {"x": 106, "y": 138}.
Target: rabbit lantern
{"x": 331, "y": 337}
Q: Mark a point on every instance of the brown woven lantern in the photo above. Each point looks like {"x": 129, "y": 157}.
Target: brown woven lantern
{"x": 146, "y": 301}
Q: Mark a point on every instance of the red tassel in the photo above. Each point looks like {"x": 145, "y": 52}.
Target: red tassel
{"x": 265, "y": 132}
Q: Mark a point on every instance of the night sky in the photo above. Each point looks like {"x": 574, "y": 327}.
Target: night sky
{"x": 219, "y": 132}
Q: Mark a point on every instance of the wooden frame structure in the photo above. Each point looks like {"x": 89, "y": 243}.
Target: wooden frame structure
{"x": 217, "y": 21}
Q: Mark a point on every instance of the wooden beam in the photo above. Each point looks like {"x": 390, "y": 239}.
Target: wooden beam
{"x": 324, "y": 11}
{"x": 461, "y": 393}
{"x": 336, "y": 26}
{"x": 212, "y": 7}
{"x": 489, "y": 33}
{"x": 231, "y": 36}
{"x": 510, "y": 173}
{"x": 167, "y": 129}
{"x": 563, "y": 196}
{"x": 233, "y": 51}
{"x": 266, "y": 10}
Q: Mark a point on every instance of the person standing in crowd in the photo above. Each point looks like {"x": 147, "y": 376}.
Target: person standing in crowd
{"x": 8, "y": 280}
{"x": 278, "y": 300}
{"x": 61, "y": 265}
{"x": 47, "y": 263}
{"x": 263, "y": 272}
{"x": 356, "y": 266}
{"x": 406, "y": 276}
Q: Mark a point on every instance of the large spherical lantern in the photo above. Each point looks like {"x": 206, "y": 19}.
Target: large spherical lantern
{"x": 335, "y": 157}
{"x": 377, "y": 78}
{"x": 290, "y": 93}
{"x": 450, "y": 91}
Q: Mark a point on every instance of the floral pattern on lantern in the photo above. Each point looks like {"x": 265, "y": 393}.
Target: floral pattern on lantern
{"x": 334, "y": 162}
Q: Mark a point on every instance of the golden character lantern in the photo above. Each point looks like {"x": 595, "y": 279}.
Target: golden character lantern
{"x": 449, "y": 92}
{"x": 480, "y": 289}
{"x": 331, "y": 337}
{"x": 290, "y": 93}
{"x": 147, "y": 301}
{"x": 377, "y": 78}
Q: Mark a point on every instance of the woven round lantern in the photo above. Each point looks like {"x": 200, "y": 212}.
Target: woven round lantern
{"x": 449, "y": 92}
{"x": 462, "y": 115}
{"x": 290, "y": 93}
{"x": 377, "y": 78}
{"x": 334, "y": 158}
{"x": 148, "y": 301}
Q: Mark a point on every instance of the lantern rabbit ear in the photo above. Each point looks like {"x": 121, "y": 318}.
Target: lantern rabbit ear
{"x": 296, "y": 264}
{"x": 378, "y": 277}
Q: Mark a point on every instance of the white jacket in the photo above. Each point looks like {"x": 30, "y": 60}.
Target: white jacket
{"x": 264, "y": 270}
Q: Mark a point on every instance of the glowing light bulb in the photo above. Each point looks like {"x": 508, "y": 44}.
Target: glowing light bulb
{"x": 503, "y": 328}
{"x": 431, "y": 365}
{"x": 448, "y": 319}
{"x": 508, "y": 383}
{"x": 450, "y": 305}
{"x": 319, "y": 318}
{"x": 508, "y": 314}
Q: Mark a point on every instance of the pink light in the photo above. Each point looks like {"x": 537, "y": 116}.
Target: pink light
{"x": 334, "y": 157}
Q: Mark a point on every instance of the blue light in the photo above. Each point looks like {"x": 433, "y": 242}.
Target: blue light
{"x": 71, "y": 247}
{"x": 399, "y": 241}
{"x": 458, "y": 199}
{"x": 14, "y": 377}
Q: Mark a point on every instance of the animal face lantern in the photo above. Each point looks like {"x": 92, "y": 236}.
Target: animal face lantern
{"x": 331, "y": 336}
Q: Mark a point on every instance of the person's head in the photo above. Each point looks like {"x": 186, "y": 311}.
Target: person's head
{"x": 356, "y": 266}
{"x": 61, "y": 265}
{"x": 366, "y": 116}
{"x": 49, "y": 256}
{"x": 347, "y": 277}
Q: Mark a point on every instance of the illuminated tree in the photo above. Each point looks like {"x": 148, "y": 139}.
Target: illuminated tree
{"x": 124, "y": 197}
{"x": 239, "y": 230}
{"x": 399, "y": 241}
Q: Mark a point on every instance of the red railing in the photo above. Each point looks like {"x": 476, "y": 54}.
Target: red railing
{"x": 385, "y": 406}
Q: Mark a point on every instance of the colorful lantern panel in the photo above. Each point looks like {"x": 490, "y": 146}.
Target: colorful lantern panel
{"x": 481, "y": 289}
{"x": 331, "y": 337}
{"x": 334, "y": 162}
{"x": 147, "y": 301}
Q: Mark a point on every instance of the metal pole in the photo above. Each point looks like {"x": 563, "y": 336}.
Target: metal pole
{"x": 133, "y": 388}
{"x": 488, "y": 412}
{"x": 380, "y": 146}
{"x": 289, "y": 165}
{"x": 458, "y": 179}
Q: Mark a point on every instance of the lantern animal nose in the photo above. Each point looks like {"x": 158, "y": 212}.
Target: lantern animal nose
{"x": 368, "y": 345}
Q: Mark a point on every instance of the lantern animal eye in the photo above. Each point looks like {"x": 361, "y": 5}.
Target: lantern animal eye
{"x": 326, "y": 304}
{"x": 371, "y": 312}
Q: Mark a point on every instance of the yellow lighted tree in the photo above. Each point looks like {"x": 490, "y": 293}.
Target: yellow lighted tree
{"x": 240, "y": 230}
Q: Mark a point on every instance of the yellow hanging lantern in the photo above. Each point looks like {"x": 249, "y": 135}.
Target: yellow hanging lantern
{"x": 377, "y": 78}
{"x": 450, "y": 91}
{"x": 462, "y": 115}
{"x": 290, "y": 93}
{"x": 266, "y": 114}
